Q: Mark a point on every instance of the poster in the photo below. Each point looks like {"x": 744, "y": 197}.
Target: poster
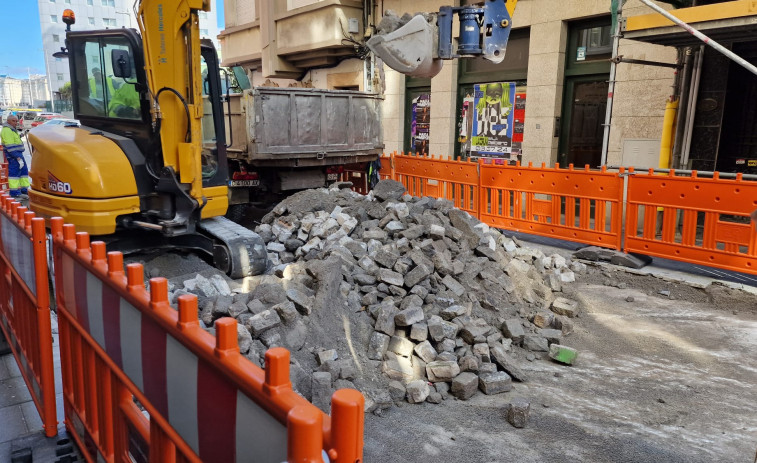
{"x": 465, "y": 126}
{"x": 494, "y": 120}
{"x": 420, "y": 124}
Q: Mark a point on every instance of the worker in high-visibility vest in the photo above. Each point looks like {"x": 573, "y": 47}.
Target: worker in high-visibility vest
{"x": 18, "y": 171}
{"x": 125, "y": 102}
{"x": 96, "y": 85}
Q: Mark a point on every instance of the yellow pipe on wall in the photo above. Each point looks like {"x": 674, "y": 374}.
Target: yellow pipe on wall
{"x": 668, "y": 134}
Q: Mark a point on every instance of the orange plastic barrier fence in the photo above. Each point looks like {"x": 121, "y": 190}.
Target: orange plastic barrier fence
{"x": 575, "y": 205}
{"x": 439, "y": 178}
{"x": 387, "y": 166}
{"x": 25, "y": 304}
{"x": 691, "y": 219}
{"x": 3, "y": 177}
{"x": 123, "y": 348}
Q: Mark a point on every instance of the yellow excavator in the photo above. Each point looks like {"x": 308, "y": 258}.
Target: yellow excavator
{"x": 145, "y": 169}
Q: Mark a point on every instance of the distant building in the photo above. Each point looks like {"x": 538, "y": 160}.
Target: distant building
{"x": 90, "y": 15}
{"x": 31, "y": 92}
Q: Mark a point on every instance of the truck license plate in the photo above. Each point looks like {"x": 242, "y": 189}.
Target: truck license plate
{"x": 244, "y": 183}
{"x": 331, "y": 177}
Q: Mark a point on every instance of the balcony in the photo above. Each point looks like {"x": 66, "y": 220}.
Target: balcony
{"x": 288, "y": 37}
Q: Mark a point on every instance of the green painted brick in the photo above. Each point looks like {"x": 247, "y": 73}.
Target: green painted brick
{"x": 563, "y": 354}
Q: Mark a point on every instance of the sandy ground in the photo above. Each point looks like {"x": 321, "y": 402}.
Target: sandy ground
{"x": 657, "y": 380}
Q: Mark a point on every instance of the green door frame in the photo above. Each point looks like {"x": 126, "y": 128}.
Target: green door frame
{"x": 576, "y": 72}
{"x": 567, "y": 119}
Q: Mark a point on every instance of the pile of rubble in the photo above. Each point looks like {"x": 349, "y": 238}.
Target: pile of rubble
{"x": 402, "y": 298}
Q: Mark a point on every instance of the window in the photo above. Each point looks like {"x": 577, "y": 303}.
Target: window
{"x": 56, "y": 38}
{"x": 58, "y": 59}
{"x": 53, "y": 18}
{"x": 109, "y": 2}
{"x": 52, "y": 1}
{"x": 103, "y": 94}
{"x": 60, "y": 76}
{"x": 90, "y": 2}
{"x": 203, "y": 14}
{"x": 67, "y": 2}
{"x": 204, "y": 32}
{"x": 91, "y": 21}
{"x": 594, "y": 43}
{"x": 109, "y": 22}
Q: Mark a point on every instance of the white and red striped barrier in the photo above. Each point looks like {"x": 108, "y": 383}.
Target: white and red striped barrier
{"x": 25, "y": 304}
{"x": 210, "y": 402}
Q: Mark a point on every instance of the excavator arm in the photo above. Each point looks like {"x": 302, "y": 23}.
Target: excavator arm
{"x": 418, "y": 47}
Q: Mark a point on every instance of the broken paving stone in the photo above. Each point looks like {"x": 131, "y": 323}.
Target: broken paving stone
{"x": 536, "y": 343}
{"x": 321, "y": 391}
{"x": 464, "y": 385}
{"x": 390, "y": 277}
{"x": 401, "y": 346}
{"x": 301, "y": 301}
{"x": 517, "y": 412}
{"x": 419, "y": 332}
{"x": 468, "y": 363}
{"x": 287, "y": 311}
{"x": 503, "y": 359}
{"x": 397, "y": 391}
{"x": 426, "y": 352}
{"x": 452, "y": 312}
{"x": 416, "y": 275}
{"x": 385, "y": 258}
{"x": 326, "y": 355}
{"x": 473, "y": 334}
{"x": 543, "y": 319}
{"x": 263, "y": 321}
{"x": 389, "y": 190}
{"x": 563, "y": 354}
{"x": 552, "y": 336}
{"x": 564, "y": 306}
{"x": 442, "y": 370}
{"x": 385, "y": 320}
{"x": 453, "y": 285}
{"x": 513, "y": 329}
{"x": 409, "y": 316}
{"x": 378, "y": 345}
{"x": 495, "y": 383}
{"x": 434, "y": 398}
{"x": 417, "y": 391}
{"x": 244, "y": 339}
{"x": 487, "y": 368}
{"x": 398, "y": 368}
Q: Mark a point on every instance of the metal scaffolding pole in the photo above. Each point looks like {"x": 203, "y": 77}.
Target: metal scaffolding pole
{"x": 708, "y": 41}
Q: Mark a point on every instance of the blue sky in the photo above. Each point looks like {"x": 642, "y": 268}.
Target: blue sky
{"x": 21, "y": 37}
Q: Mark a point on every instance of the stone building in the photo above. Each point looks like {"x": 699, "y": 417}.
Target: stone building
{"x": 557, "y": 60}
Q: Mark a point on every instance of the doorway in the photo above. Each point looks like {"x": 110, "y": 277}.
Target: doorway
{"x": 583, "y": 118}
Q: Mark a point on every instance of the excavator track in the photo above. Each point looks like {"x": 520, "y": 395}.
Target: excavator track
{"x": 241, "y": 252}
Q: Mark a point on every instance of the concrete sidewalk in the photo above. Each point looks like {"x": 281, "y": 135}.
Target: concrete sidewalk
{"x": 20, "y": 424}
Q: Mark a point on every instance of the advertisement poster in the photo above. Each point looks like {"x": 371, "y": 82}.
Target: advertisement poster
{"x": 494, "y": 120}
{"x": 420, "y": 124}
{"x": 465, "y": 125}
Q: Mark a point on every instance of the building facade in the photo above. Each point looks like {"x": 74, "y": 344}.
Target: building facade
{"x": 31, "y": 92}
{"x": 556, "y": 68}
{"x": 94, "y": 14}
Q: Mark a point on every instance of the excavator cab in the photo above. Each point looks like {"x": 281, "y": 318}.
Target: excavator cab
{"x": 111, "y": 177}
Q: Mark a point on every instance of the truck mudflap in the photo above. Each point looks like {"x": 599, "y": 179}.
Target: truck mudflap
{"x": 242, "y": 252}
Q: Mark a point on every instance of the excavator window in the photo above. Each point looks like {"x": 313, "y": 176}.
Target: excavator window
{"x": 98, "y": 91}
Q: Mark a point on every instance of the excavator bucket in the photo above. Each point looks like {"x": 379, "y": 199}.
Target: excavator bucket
{"x": 411, "y": 49}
